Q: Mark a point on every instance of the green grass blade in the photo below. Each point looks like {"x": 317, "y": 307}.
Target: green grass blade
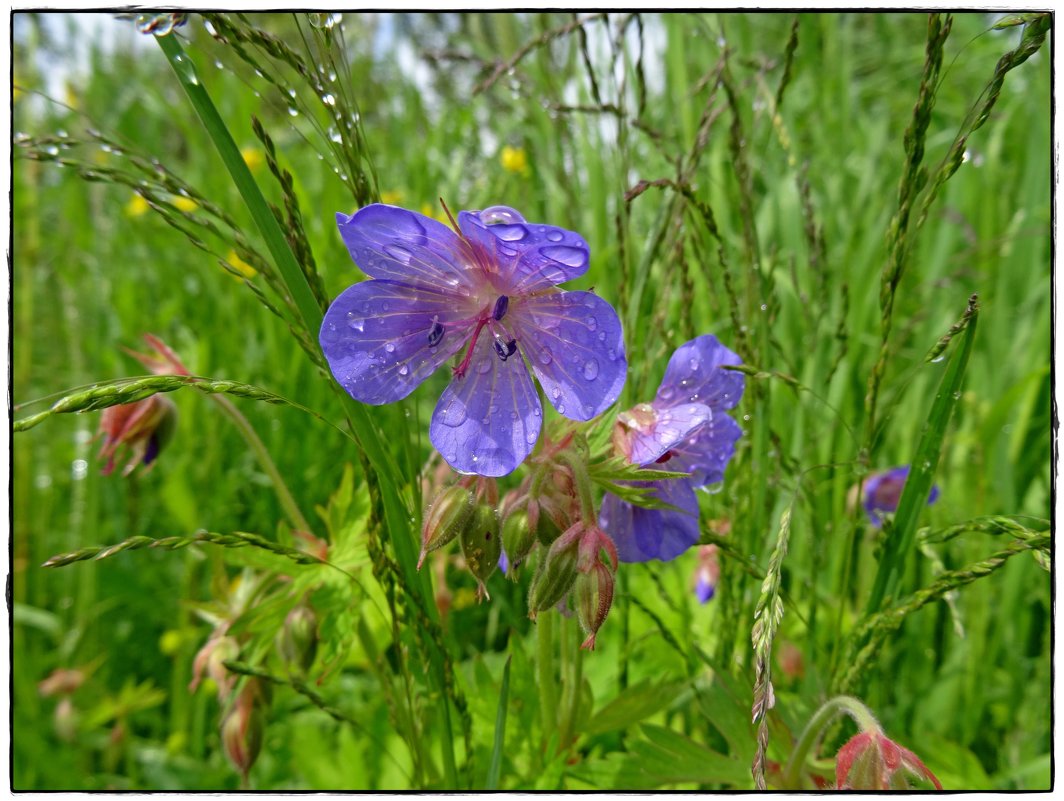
{"x": 492, "y": 782}
{"x": 921, "y": 477}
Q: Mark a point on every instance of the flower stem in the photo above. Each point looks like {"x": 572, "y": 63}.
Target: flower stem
{"x": 545, "y": 667}
{"x": 814, "y": 731}
{"x": 295, "y": 517}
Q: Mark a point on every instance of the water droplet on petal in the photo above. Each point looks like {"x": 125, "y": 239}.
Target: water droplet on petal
{"x": 666, "y": 393}
{"x": 404, "y": 370}
{"x": 530, "y": 437}
{"x": 390, "y": 347}
{"x": 555, "y": 393}
{"x": 399, "y": 253}
{"x": 569, "y": 256}
{"x": 554, "y": 235}
{"x": 454, "y": 414}
{"x": 591, "y": 369}
{"x": 545, "y": 356}
{"x": 694, "y": 365}
{"x": 592, "y": 323}
{"x": 496, "y": 215}
{"x": 561, "y": 408}
{"x": 357, "y": 323}
{"x": 509, "y": 233}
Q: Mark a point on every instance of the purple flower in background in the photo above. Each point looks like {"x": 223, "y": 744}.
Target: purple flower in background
{"x": 684, "y": 429}
{"x": 882, "y": 491}
{"x": 707, "y": 574}
{"x": 486, "y": 288}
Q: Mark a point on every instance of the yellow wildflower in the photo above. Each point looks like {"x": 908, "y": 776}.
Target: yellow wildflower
{"x": 137, "y": 205}
{"x": 515, "y": 159}
{"x": 436, "y": 213}
{"x": 392, "y": 197}
{"x": 241, "y": 266}
{"x": 185, "y": 204}
{"x": 252, "y": 157}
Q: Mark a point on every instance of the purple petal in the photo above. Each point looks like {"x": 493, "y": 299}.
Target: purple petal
{"x": 672, "y": 426}
{"x": 529, "y": 256}
{"x": 704, "y": 589}
{"x": 487, "y": 421}
{"x": 376, "y": 338}
{"x": 643, "y": 534}
{"x": 400, "y": 245}
{"x": 707, "y": 453}
{"x": 882, "y": 492}
{"x": 694, "y": 375}
{"x": 573, "y": 342}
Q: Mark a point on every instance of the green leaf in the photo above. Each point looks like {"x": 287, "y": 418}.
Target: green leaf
{"x": 918, "y": 486}
{"x": 633, "y": 705}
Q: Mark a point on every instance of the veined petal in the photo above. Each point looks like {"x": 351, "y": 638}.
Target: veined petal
{"x": 705, "y": 454}
{"x": 488, "y": 420}
{"x": 382, "y": 338}
{"x": 694, "y": 375}
{"x": 529, "y": 256}
{"x": 643, "y": 534}
{"x": 574, "y": 343}
{"x": 400, "y": 245}
{"x": 671, "y": 427}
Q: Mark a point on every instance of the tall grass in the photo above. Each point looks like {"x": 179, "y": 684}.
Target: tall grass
{"x": 823, "y": 192}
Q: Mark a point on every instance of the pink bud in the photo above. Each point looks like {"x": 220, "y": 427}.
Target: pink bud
{"x": 142, "y": 428}
{"x": 243, "y": 727}
{"x": 871, "y": 761}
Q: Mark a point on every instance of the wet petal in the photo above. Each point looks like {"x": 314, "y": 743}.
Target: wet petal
{"x": 672, "y": 426}
{"x": 644, "y": 534}
{"x": 705, "y": 454}
{"x": 573, "y": 342}
{"x": 376, "y": 338}
{"x": 400, "y": 245}
{"x": 694, "y": 375}
{"x": 487, "y": 421}
{"x": 529, "y": 256}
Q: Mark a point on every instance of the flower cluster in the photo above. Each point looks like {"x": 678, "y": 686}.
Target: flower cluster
{"x": 684, "y": 429}
{"x": 486, "y": 287}
{"x": 485, "y": 291}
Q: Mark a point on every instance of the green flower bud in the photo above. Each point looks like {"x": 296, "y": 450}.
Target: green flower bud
{"x": 518, "y": 538}
{"x": 547, "y": 530}
{"x": 593, "y": 596}
{"x": 445, "y": 519}
{"x": 556, "y": 572}
{"x": 297, "y": 641}
{"x": 481, "y": 543}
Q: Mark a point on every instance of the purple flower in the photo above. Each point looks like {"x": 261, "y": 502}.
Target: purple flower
{"x": 685, "y": 429}
{"x": 486, "y": 288}
{"x": 882, "y": 491}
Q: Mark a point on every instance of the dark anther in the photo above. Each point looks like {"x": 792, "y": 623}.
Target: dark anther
{"x": 501, "y": 305}
{"x": 505, "y": 351}
{"x": 664, "y": 457}
{"x": 435, "y": 333}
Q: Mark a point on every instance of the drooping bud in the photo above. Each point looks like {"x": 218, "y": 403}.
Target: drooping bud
{"x": 242, "y": 728}
{"x": 871, "y": 761}
{"x": 556, "y": 572}
{"x": 518, "y": 539}
{"x": 481, "y": 544}
{"x": 593, "y": 596}
{"x": 547, "y": 531}
{"x": 66, "y": 720}
{"x": 142, "y": 428}
{"x": 297, "y": 641}
{"x": 445, "y": 519}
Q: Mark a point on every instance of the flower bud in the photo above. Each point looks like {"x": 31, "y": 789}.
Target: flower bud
{"x": 142, "y": 428}
{"x": 297, "y": 641}
{"x": 556, "y": 572}
{"x": 593, "y": 595}
{"x": 547, "y": 530}
{"x": 242, "y": 729}
{"x": 481, "y": 544}
{"x": 445, "y": 519}
{"x": 66, "y": 720}
{"x": 871, "y": 761}
{"x": 518, "y": 538}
